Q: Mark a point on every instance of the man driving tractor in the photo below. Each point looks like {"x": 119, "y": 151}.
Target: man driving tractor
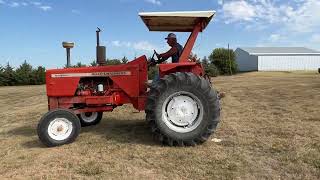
{"x": 174, "y": 52}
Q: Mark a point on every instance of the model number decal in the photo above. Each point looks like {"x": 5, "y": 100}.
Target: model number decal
{"x": 94, "y": 74}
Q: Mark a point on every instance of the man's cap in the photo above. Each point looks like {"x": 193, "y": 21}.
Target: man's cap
{"x": 171, "y": 36}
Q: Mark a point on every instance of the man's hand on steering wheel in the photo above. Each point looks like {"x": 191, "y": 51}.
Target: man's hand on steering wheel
{"x": 158, "y": 55}
{"x": 154, "y": 61}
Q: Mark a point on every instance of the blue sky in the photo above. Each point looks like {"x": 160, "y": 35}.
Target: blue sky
{"x": 34, "y": 30}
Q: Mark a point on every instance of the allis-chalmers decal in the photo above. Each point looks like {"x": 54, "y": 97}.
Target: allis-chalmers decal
{"x": 94, "y": 74}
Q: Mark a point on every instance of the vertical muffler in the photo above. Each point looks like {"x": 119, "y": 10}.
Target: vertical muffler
{"x": 100, "y": 51}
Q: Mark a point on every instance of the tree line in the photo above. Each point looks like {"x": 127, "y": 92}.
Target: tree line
{"x": 25, "y": 74}
{"x": 220, "y": 62}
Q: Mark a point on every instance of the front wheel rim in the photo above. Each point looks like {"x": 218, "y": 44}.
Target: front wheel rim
{"x": 182, "y": 112}
{"x": 60, "y": 129}
{"x": 89, "y": 117}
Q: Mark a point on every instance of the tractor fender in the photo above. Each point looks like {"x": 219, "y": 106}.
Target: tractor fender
{"x": 193, "y": 67}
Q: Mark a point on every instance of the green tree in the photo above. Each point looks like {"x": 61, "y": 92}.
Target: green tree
{"x": 24, "y": 74}
{"x": 224, "y": 60}
{"x": 113, "y": 62}
{"x": 209, "y": 68}
{"x": 79, "y": 64}
{"x": 8, "y": 76}
{"x": 124, "y": 60}
{"x": 94, "y": 63}
{"x": 194, "y": 57}
{"x": 205, "y": 61}
{"x": 2, "y": 80}
{"x": 39, "y": 76}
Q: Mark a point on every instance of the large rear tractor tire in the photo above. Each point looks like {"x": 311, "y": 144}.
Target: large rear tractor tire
{"x": 182, "y": 109}
{"x": 90, "y": 118}
{"x": 58, "y": 127}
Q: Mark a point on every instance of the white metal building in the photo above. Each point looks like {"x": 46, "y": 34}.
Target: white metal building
{"x": 277, "y": 59}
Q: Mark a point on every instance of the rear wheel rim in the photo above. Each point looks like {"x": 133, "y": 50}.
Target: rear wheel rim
{"x": 89, "y": 117}
{"x": 60, "y": 129}
{"x": 182, "y": 112}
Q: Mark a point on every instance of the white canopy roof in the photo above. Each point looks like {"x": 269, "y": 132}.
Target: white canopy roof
{"x": 182, "y": 21}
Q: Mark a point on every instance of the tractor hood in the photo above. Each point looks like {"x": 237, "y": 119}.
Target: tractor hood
{"x": 182, "y": 21}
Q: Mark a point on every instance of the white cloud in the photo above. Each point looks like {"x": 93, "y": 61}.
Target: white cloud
{"x": 121, "y": 44}
{"x": 274, "y": 37}
{"x": 14, "y": 4}
{"x": 45, "y": 8}
{"x": 144, "y": 46}
{"x": 302, "y": 17}
{"x": 315, "y": 38}
{"x": 306, "y": 18}
{"x": 140, "y": 45}
{"x": 36, "y": 3}
{"x": 116, "y": 43}
{"x": 26, "y": 3}
{"x": 41, "y": 6}
{"x": 155, "y": 2}
{"x": 238, "y": 10}
{"x": 75, "y": 11}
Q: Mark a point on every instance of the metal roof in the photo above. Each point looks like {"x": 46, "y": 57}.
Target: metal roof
{"x": 181, "y": 21}
{"x": 280, "y": 51}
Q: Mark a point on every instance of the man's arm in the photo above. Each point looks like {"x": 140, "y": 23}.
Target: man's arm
{"x": 164, "y": 56}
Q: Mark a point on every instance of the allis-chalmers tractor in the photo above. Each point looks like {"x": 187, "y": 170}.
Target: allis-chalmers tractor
{"x": 181, "y": 107}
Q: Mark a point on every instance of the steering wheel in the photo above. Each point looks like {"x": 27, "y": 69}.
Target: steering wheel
{"x": 154, "y": 59}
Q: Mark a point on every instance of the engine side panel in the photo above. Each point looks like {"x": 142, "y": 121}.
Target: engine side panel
{"x": 130, "y": 78}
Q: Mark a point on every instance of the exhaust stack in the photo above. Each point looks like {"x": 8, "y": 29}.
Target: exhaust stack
{"x": 101, "y": 50}
{"x": 68, "y": 46}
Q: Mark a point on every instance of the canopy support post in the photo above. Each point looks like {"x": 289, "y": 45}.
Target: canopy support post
{"x": 190, "y": 43}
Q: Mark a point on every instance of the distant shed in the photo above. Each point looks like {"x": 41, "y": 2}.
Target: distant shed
{"x": 277, "y": 59}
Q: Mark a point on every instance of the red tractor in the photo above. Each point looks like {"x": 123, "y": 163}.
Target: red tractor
{"x": 182, "y": 108}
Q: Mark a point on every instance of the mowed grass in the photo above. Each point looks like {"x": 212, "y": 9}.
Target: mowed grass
{"x": 270, "y": 129}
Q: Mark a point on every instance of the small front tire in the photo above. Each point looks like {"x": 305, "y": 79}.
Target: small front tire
{"x": 58, "y": 127}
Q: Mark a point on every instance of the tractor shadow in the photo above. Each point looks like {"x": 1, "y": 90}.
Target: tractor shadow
{"x": 133, "y": 131}
{"x": 26, "y": 131}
